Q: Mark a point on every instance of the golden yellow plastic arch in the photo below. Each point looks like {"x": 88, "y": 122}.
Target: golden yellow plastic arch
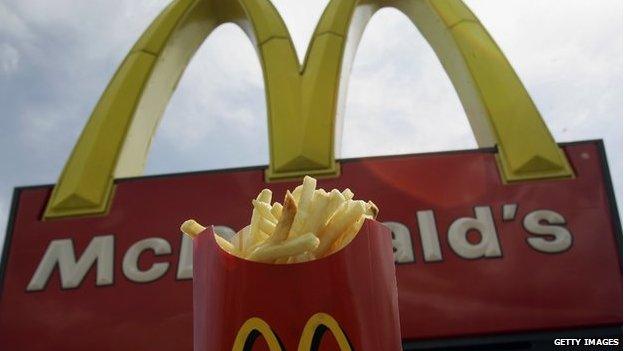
{"x": 302, "y": 102}
{"x": 310, "y": 336}
{"x": 322, "y": 320}
{"x": 245, "y": 338}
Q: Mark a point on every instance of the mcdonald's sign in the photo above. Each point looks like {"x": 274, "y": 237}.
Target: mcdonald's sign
{"x": 519, "y": 236}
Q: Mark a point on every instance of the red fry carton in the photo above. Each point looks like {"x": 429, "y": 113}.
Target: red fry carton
{"x": 346, "y": 301}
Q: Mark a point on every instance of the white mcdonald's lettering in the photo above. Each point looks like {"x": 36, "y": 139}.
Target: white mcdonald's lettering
{"x": 101, "y": 252}
{"x": 546, "y": 233}
{"x": 547, "y": 226}
{"x": 185, "y": 264}
{"x": 487, "y": 246}
{"x": 429, "y": 236}
{"x": 533, "y": 224}
{"x": 313, "y": 331}
{"x": 401, "y": 242}
{"x": 61, "y": 252}
{"x": 130, "y": 264}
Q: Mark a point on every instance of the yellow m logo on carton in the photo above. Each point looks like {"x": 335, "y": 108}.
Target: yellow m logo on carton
{"x": 303, "y": 101}
{"x": 310, "y": 339}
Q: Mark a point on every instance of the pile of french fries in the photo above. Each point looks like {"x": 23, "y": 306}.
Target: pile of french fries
{"x": 310, "y": 224}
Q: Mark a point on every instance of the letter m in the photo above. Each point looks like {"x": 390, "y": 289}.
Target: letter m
{"x": 61, "y": 252}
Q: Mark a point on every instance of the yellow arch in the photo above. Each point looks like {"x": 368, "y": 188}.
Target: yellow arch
{"x": 302, "y": 102}
{"x": 250, "y": 330}
{"x": 312, "y": 333}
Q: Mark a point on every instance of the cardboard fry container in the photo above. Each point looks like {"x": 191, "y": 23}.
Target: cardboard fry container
{"x": 347, "y": 300}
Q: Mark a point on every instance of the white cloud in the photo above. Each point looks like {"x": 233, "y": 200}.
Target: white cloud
{"x": 13, "y": 25}
{"x": 568, "y": 53}
{"x": 301, "y": 20}
{"x": 400, "y": 100}
{"x": 217, "y": 115}
{"x": 3, "y": 221}
{"x": 9, "y": 58}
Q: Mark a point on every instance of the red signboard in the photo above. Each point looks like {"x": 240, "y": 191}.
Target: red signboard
{"x": 475, "y": 256}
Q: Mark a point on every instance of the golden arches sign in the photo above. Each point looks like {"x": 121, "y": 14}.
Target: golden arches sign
{"x": 310, "y": 338}
{"x": 302, "y": 101}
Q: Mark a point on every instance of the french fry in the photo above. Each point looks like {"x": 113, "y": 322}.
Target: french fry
{"x": 237, "y": 239}
{"x": 283, "y": 260}
{"x": 265, "y": 196}
{"x": 296, "y": 193}
{"x": 289, "y": 248}
{"x": 262, "y": 236}
{"x": 249, "y": 239}
{"x": 371, "y": 210}
{"x": 348, "y": 194}
{"x": 337, "y": 225}
{"x": 192, "y": 228}
{"x": 267, "y": 226}
{"x": 336, "y": 198}
{"x": 347, "y": 236}
{"x": 311, "y": 224}
{"x": 303, "y": 205}
{"x": 286, "y": 220}
{"x": 307, "y": 192}
{"x": 225, "y": 245}
{"x": 256, "y": 220}
{"x": 316, "y": 213}
{"x": 304, "y": 257}
{"x": 276, "y": 210}
{"x": 265, "y": 210}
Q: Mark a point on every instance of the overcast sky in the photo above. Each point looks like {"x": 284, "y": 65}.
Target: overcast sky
{"x": 56, "y": 57}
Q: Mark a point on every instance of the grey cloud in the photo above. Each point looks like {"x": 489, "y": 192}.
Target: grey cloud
{"x": 400, "y": 101}
{"x": 67, "y": 52}
{"x": 9, "y": 59}
{"x": 217, "y": 117}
